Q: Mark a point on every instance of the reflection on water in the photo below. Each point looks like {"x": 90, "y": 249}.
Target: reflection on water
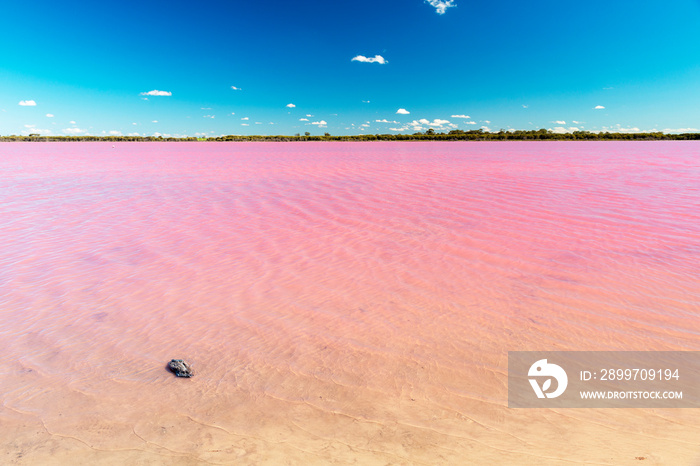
{"x": 347, "y": 302}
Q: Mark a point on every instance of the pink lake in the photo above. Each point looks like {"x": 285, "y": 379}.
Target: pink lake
{"x": 340, "y": 302}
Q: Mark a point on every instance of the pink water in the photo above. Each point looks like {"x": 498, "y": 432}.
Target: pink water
{"x": 339, "y": 302}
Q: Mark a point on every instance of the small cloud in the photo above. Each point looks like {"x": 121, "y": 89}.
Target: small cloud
{"x": 49, "y": 115}
{"x": 681, "y": 130}
{"x": 460, "y": 116}
{"x": 72, "y": 122}
{"x": 386, "y": 121}
{"x": 157, "y": 92}
{"x": 115, "y": 133}
{"x": 309, "y": 116}
{"x": 470, "y": 122}
{"x": 291, "y": 105}
{"x": 245, "y": 124}
{"x": 320, "y": 123}
{"x": 365, "y": 101}
{"x": 525, "y": 106}
{"x": 236, "y": 88}
{"x": 245, "y": 118}
{"x": 74, "y": 131}
{"x": 402, "y": 111}
{"x": 27, "y": 103}
{"x": 560, "y": 122}
{"x": 134, "y": 124}
{"x": 154, "y": 121}
{"x": 32, "y": 130}
{"x": 376, "y": 59}
{"x": 303, "y": 119}
{"x": 486, "y": 128}
{"x": 424, "y": 122}
{"x": 29, "y": 126}
{"x": 598, "y": 107}
{"x": 441, "y": 5}
{"x": 205, "y": 108}
{"x": 233, "y": 113}
{"x": 209, "y": 116}
{"x": 577, "y": 122}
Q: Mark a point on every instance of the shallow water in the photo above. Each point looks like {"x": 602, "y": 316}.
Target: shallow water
{"x": 339, "y": 302}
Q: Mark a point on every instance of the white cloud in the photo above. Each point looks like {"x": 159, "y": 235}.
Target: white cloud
{"x": 27, "y": 103}
{"x": 236, "y": 88}
{"x": 402, "y": 111}
{"x": 377, "y": 59}
{"x": 49, "y": 115}
{"x": 309, "y": 116}
{"x": 460, "y": 116}
{"x": 386, "y": 121}
{"x": 398, "y": 129}
{"x": 33, "y": 130}
{"x": 681, "y": 130}
{"x": 320, "y": 123}
{"x": 245, "y": 124}
{"x": 562, "y": 130}
{"x": 560, "y": 122}
{"x": 291, "y": 105}
{"x": 303, "y": 119}
{"x": 486, "y": 128}
{"x": 205, "y": 108}
{"x": 74, "y": 131}
{"x": 365, "y": 101}
{"x": 470, "y": 122}
{"x": 209, "y": 116}
{"x": 441, "y": 5}
{"x": 29, "y": 126}
{"x": 72, "y": 122}
{"x": 157, "y": 92}
{"x": 525, "y": 106}
{"x": 245, "y": 118}
{"x": 577, "y": 122}
{"x": 233, "y": 113}
{"x": 154, "y": 121}
{"x": 598, "y": 107}
{"x": 115, "y": 133}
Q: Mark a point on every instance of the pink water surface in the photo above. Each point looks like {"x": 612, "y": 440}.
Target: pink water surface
{"x": 338, "y": 301}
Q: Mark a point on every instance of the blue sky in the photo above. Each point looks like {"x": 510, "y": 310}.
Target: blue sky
{"x": 281, "y": 67}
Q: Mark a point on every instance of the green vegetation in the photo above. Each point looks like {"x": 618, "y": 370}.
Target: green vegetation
{"x": 430, "y": 135}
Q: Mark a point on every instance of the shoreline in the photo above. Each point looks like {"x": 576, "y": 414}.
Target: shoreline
{"x": 458, "y": 135}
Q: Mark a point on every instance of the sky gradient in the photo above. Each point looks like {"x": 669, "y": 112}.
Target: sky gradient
{"x": 236, "y": 67}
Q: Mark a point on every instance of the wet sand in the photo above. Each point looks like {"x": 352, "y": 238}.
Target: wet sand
{"x": 340, "y": 303}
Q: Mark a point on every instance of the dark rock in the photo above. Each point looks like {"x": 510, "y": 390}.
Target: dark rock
{"x": 180, "y": 368}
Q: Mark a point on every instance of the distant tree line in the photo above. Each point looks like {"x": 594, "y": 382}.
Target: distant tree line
{"x": 429, "y": 135}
